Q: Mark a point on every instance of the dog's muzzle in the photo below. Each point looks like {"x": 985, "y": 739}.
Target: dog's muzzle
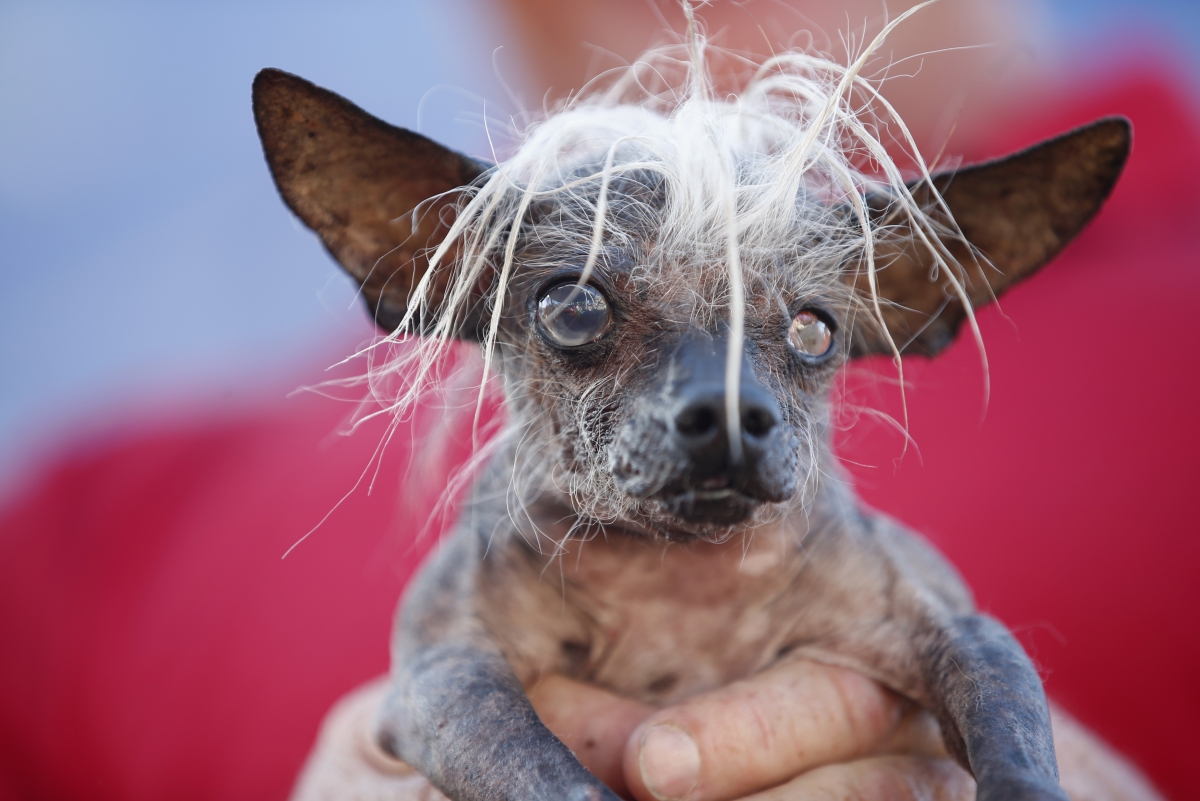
{"x": 675, "y": 447}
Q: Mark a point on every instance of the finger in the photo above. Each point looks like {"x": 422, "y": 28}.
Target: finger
{"x": 347, "y": 763}
{"x": 594, "y": 723}
{"x": 892, "y": 778}
{"x": 759, "y": 732}
{"x": 1088, "y": 768}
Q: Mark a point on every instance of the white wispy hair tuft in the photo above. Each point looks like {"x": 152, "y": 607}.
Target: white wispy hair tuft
{"x": 787, "y": 163}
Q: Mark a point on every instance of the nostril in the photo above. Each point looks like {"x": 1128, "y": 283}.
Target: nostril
{"x": 697, "y": 420}
{"x": 757, "y": 422}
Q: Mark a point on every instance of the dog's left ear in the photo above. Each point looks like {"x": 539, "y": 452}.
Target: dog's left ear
{"x": 358, "y": 182}
{"x": 1019, "y": 212}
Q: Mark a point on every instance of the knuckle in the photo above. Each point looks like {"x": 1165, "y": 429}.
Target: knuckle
{"x": 863, "y": 709}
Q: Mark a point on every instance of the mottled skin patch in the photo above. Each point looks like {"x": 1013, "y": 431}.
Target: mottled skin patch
{"x": 619, "y": 567}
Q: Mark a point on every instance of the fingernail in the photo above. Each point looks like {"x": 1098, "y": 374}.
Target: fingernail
{"x": 670, "y": 762}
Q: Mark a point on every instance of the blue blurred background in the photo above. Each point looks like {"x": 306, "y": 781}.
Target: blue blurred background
{"x": 146, "y": 263}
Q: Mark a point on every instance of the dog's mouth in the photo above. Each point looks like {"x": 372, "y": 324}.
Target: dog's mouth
{"x": 693, "y": 516}
{"x": 701, "y": 500}
{"x": 713, "y": 501}
{"x": 726, "y": 510}
{"x": 713, "y": 489}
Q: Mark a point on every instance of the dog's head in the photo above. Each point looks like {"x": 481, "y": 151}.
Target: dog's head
{"x": 669, "y": 295}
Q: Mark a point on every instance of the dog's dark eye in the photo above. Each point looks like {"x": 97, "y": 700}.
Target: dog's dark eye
{"x": 810, "y": 335}
{"x": 573, "y": 315}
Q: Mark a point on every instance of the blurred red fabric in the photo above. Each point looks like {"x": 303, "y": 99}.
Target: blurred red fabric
{"x": 156, "y": 646}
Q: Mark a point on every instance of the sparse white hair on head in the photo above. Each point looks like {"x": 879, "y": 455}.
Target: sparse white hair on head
{"x": 788, "y": 161}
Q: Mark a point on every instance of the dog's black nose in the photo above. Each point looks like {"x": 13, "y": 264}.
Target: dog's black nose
{"x": 701, "y": 424}
{"x": 702, "y": 431}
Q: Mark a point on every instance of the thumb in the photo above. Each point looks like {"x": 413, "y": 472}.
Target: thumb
{"x": 758, "y": 732}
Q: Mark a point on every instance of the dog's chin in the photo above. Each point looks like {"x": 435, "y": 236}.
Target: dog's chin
{"x": 684, "y": 516}
{"x": 721, "y": 508}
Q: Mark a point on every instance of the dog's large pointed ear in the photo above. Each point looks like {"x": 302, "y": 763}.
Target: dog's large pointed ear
{"x": 357, "y": 181}
{"x": 1018, "y": 212}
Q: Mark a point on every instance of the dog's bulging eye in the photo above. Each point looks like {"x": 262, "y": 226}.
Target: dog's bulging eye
{"x": 572, "y": 315}
{"x": 810, "y": 335}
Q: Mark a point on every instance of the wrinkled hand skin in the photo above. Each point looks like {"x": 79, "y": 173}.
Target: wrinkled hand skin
{"x": 348, "y": 765}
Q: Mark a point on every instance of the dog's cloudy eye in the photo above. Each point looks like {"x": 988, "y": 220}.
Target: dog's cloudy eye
{"x": 572, "y": 315}
{"x": 810, "y": 335}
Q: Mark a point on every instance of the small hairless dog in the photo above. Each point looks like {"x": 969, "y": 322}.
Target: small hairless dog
{"x": 668, "y": 279}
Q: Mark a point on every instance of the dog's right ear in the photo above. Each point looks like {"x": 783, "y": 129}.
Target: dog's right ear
{"x": 358, "y": 181}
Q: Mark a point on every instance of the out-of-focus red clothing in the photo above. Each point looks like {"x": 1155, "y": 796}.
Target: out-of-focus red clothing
{"x": 153, "y": 644}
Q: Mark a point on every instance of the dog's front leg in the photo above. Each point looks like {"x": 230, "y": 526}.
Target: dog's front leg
{"x": 459, "y": 715}
{"x": 993, "y": 711}
{"x": 456, "y": 710}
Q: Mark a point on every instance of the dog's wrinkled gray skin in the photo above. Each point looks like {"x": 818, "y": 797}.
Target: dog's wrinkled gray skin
{"x": 703, "y": 582}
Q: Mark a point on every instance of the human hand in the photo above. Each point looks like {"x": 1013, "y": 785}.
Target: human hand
{"x": 798, "y": 730}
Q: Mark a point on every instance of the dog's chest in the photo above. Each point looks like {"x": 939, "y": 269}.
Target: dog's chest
{"x": 669, "y": 622}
